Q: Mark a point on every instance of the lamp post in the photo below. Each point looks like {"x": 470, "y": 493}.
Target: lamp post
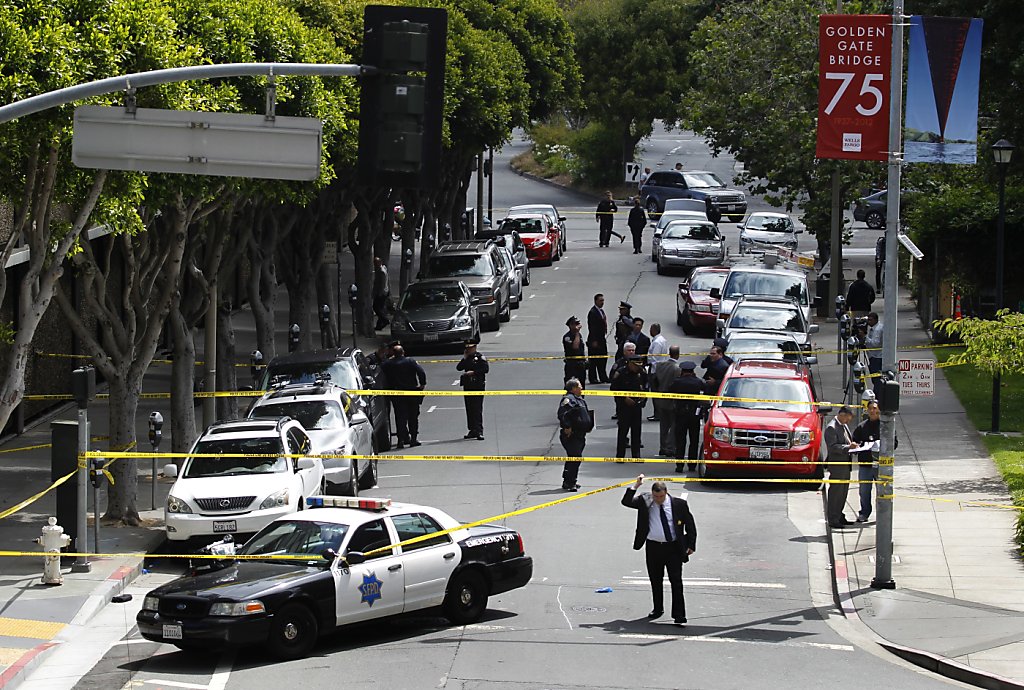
{"x": 1002, "y": 150}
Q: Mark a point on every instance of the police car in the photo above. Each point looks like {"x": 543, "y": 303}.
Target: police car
{"x": 333, "y": 565}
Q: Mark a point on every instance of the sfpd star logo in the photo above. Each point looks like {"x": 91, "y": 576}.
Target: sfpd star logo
{"x": 370, "y": 589}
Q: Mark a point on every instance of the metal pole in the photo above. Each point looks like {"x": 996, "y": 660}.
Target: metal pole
{"x": 836, "y": 254}
{"x": 883, "y": 498}
{"x": 81, "y": 564}
{"x": 210, "y": 357}
{"x": 1000, "y": 261}
{"x": 479, "y": 194}
{"x": 490, "y": 184}
{"x": 96, "y": 513}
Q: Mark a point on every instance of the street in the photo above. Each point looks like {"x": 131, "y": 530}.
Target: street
{"x": 758, "y": 588}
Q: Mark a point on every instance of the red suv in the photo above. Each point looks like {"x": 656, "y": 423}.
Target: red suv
{"x": 754, "y": 434}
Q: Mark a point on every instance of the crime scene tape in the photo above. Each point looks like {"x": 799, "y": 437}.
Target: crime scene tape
{"x": 969, "y": 504}
{"x": 35, "y": 497}
{"x": 141, "y": 455}
{"x": 44, "y": 445}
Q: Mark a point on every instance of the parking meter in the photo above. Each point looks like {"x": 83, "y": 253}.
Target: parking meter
{"x": 255, "y": 364}
{"x": 407, "y": 258}
{"x": 325, "y": 316}
{"x": 858, "y": 377}
{"x": 293, "y": 337}
{"x": 844, "y": 326}
{"x": 353, "y": 296}
{"x": 840, "y": 306}
{"x": 156, "y": 425}
{"x": 853, "y": 352}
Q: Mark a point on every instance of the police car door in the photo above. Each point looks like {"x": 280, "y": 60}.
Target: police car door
{"x": 311, "y": 477}
{"x": 428, "y": 563}
{"x": 372, "y": 589}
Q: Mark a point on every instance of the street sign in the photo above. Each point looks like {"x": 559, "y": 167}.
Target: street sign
{"x": 916, "y": 376}
{"x": 330, "y": 252}
{"x": 911, "y": 247}
{"x": 633, "y": 170}
{"x": 195, "y": 143}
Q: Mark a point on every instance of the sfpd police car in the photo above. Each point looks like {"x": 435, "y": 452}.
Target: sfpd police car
{"x": 334, "y": 565}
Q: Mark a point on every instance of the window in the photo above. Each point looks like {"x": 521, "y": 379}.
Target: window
{"x": 450, "y": 265}
{"x": 767, "y": 319}
{"x": 370, "y": 537}
{"x": 706, "y": 281}
{"x": 772, "y": 390}
{"x": 312, "y": 414}
{"x": 298, "y": 443}
{"x": 300, "y": 537}
{"x": 259, "y": 458}
{"x": 417, "y": 525}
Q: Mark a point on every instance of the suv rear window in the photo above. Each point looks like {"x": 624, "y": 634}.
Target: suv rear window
{"x": 342, "y": 373}
{"x": 451, "y": 265}
{"x": 777, "y": 285}
{"x": 767, "y": 319}
{"x": 768, "y": 390}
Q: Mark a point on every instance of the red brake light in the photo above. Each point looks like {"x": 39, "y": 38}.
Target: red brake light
{"x": 519, "y": 540}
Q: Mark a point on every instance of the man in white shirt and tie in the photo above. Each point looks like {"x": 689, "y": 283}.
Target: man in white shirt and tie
{"x": 655, "y": 355}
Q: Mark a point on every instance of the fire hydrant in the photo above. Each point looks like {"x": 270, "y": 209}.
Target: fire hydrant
{"x": 52, "y": 541}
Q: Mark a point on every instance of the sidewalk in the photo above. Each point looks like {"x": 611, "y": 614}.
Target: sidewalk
{"x": 958, "y": 606}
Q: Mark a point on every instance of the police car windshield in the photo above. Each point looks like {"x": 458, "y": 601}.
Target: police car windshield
{"x": 300, "y": 538}
{"x": 251, "y": 463}
{"x": 314, "y": 415}
{"x": 797, "y": 394}
{"x": 702, "y": 180}
{"x": 688, "y": 231}
{"x": 777, "y": 285}
{"x": 425, "y": 297}
{"x": 767, "y": 318}
{"x": 341, "y": 373}
{"x": 446, "y": 265}
{"x": 706, "y": 281}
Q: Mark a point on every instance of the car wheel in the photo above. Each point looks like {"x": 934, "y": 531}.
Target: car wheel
{"x": 382, "y": 441}
{"x": 293, "y": 632}
{"x": 661, "y": 269}
{"x": 875, "y": 220}
{"x": 526, "y": 276}
{"x": 687, "y": 325}
{"x": 556, "y": 253}
{"x": 351, "y": 487}
{"x": 703, "y": 471}
{"x": 369, "y": 478}
{"x": 819, "y": 473}
{"x": 652, "y": 206}
{"x": 466, "y": 599}
{"x": 506, "y": 313}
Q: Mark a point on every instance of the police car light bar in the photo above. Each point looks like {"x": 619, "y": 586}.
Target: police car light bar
{"x": 348, "y": 502}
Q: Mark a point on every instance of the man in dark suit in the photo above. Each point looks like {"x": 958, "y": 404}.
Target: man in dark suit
{"x": 403, "y": 373}
{"x": 637, "y": 335}
{"x": 666, "y": 527}
{"x": 597, "y": 341}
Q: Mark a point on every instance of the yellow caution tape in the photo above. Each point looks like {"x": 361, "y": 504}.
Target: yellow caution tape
{"x": 961, "y": 503}
{"x": 32, "y": 499}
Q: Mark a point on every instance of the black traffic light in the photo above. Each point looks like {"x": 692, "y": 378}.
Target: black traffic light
{"x": 402, "y": 95}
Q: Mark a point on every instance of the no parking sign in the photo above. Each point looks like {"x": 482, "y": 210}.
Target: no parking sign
{"x": 917, "y": 376}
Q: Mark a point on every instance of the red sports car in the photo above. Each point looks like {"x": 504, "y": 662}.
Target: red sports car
{"x": 696, "y": 309}
{"x": 541, "y": 237}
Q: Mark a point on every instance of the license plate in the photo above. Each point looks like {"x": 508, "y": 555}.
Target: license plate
{"x": 224, "y": 526}
{"x": 429, "y": 337}
{"x": 172, "y": 632}
{"x": 760, "y": 453}
{"x": 689, "y": 262}
{"x": 730, "y": 207}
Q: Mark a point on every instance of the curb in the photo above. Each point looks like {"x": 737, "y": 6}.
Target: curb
{"x": 116, "y": 583}
{"x": 929, "y": 661}
{"x": 550, "y": 183}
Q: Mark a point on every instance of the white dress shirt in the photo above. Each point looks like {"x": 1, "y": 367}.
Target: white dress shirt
{"x": 659, "y": 346}
{"x": 655, "y": 531}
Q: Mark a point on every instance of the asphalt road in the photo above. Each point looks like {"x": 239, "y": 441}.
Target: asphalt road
{"x": 757, "y": 588}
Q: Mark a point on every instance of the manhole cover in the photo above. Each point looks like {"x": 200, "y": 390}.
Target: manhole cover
{"x": 589, "y": 609}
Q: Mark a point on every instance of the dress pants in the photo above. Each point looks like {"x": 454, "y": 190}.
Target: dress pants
{"x": 665, "y": 411}
{"x": 662, "y": 555}
{"x": 630, "y": 422}
{"x": 407, "y": 418}
{"x": 576, "y": 368}
{"x": 866, "y": 473}
{"x": 637, "y": 239}
{"x": 687, "y": 438}
{"x": 574, "y": 449}
{"x": 474, "y": 412}
{"x": 837, "y": 493}
{"x": 597, "y": 365}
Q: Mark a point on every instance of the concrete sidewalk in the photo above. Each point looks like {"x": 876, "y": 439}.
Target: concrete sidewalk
{"x": 958, "y": 608}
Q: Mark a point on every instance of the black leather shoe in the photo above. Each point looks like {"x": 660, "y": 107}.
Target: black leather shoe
{"x": 845, "y": 521}
{"x": 680, "y": 468}
{"x": 680, "y": 622}
{"x": 414, "y": 442}
{"x": 400, "y": 446}
{"x": 655, "y": 614}
{"x": 570, "y": 487}
{"x": 479, "y": 437}
{"x": 470, "y": 435}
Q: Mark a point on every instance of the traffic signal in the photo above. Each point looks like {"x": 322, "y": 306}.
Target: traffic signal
{"x": 402, "y": 96}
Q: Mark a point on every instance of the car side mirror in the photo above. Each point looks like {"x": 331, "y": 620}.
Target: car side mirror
{"x": 813, "y": 328}
{"x": 719, "y": 324}
{"x": 561, "y": 219}
{"x": 811, "y": 359}
{"x": 799, "y": 231}
{"x": 824, "y": 409}
{"x": 355, "y": 557}
{"x": 358, "y": 418}
{"x": 171, "y": 471}
{"x": 305, "y": 464}
{"x": 329, "y": 555}
{"x": 716, "y": 293}
{"x": 816, "y": 302}
{"x": 684, "y": 287}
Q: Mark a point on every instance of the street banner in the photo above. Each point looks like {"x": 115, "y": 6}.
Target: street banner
{"x": 941, "y": 124}
{"x": 854, "y": 58}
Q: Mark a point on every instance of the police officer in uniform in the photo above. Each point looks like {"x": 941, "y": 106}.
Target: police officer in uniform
{"x": 628, "y": 409}
{"x": 474, "y": 368}
{"x": 575, "y": 350}
{"x": 688, "y": 415}
{"x": 623, "y": 327}
{"x": 575, "y": 421}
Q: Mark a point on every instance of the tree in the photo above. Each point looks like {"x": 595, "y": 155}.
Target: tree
{"x": 994, "y": 346}
{"x": 755, "y": 95}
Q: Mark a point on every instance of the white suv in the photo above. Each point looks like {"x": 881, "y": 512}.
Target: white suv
{"x": 335, "y": 426}
{"x": 246, "y": 484}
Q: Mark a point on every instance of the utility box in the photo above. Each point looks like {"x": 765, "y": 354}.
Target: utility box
{"x": 63, "y": 461}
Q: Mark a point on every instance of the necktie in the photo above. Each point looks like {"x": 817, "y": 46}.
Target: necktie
{"x": 664, "y": 523}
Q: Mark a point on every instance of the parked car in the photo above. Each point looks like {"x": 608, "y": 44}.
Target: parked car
{"x": 334, "y": 425}
{"x": 771, "y": 345}
{"x": 768, "y": 230}
{"x": 761, "y": 313}
{"x": 228, "y": 494}
{"x": 347, "y": 367}
{"x": 761, "y": 280}
{"x": 515, "y": 244}
{"x": 696, "y": 309}
{"x": 436, "y": 312}
{"x": 515, "y": 279}
{"x": 667, "y": 217}
{"x": 540, "y": 235}
{"x": 758, "y": 436}
{"x": 697, "y": 205}
{"x": 871, "y": 209}
{"x": 549, "y": 210}
{"x": 690, "y": 243}
{"x": 692, "y": 184}
{"x": 347, "y": 568}
{"x": 478, "y": 265}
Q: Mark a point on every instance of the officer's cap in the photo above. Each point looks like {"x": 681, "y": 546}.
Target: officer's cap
{"x": 394, "y": 343}
{"x": 625, "y": 305}
{"x": 571, "y": 320}
{"x": 634, "y": 359}
{"x": 469, "y": 344}
{"x": 688, "y": 365}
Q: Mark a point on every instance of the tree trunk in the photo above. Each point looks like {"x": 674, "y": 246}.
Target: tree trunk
{"x": 183, "y": 409}
{"x": 122, "y": 506}
{"x": 326, "y": 294}
{"x": 261, "y": 285}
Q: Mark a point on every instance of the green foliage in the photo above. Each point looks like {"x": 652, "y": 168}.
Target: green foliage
{"x": 992, "y": 346}
{"x": 597, "y": 155}
{"x": 552, "y": 147}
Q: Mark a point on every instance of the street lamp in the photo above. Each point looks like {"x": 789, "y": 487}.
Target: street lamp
{"x": 1002, "y": 150}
